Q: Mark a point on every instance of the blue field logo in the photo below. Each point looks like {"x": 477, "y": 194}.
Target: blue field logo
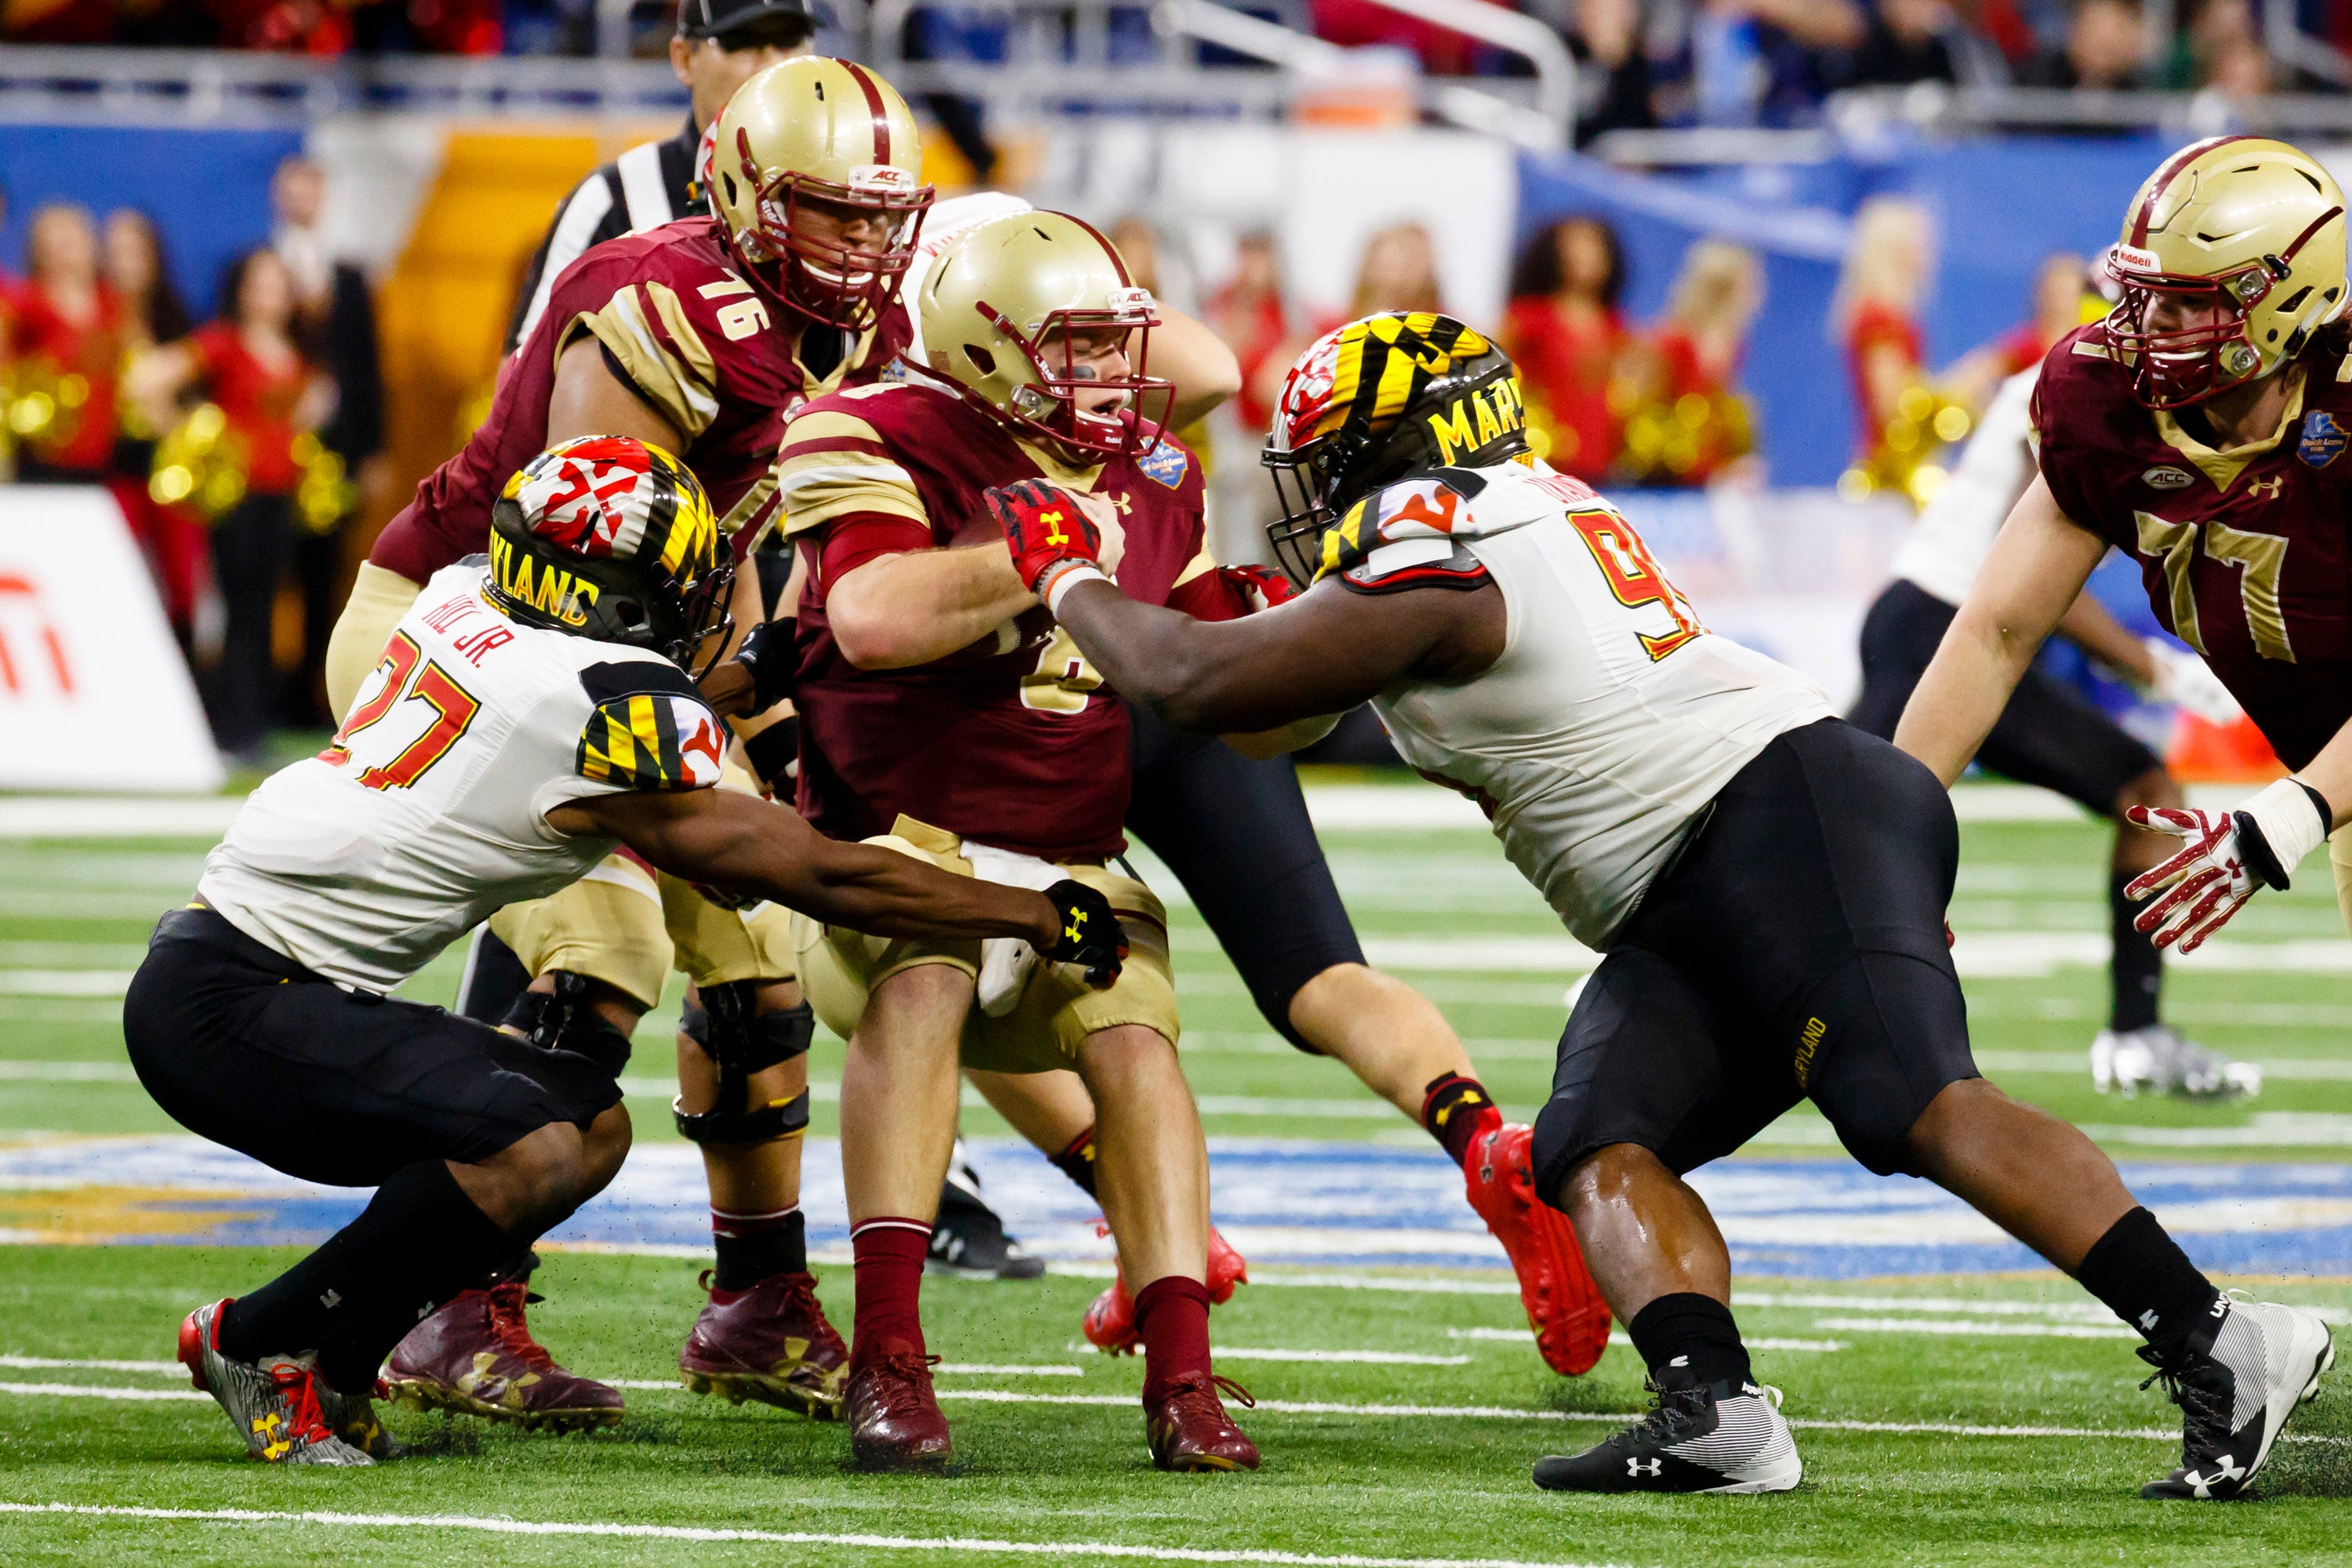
{"x": 1165, "y": 463}
{"x": 2322, "y": 439}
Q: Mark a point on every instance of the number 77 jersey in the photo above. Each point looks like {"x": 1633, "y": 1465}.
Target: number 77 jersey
{"x": 2244, "y": 551}
{"x": 428, "y": 810}
{"x": 1614, "y": 715}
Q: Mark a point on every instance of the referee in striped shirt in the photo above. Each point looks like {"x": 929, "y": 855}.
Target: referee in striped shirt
{"x": 718, "y": 45}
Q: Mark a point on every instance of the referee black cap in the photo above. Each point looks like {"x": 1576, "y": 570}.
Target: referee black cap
{"x": 701, "y": 19}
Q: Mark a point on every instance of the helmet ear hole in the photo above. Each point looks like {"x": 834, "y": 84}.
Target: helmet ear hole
{"x": 982, "y": 360}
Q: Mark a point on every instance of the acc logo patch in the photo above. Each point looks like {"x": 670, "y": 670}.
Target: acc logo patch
{"x": 2167, "y": 479}
{"x": 1166, "y": 464}
{"x": 2324, "y": 439}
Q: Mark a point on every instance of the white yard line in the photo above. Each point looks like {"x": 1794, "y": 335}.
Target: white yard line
{"x": 1527, "y": 1337}
{"x": 1374, "y": 1358}
{"x": 1975, "y": 1328}
{"x": 967, "y": 1544}
{"x": 114, "y": 817}
{"x": 93, "y": 1391}
{"x": 42, "y": 1362}
{"x": 64, "y": 982}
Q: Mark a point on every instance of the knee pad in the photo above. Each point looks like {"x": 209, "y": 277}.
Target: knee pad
{"x": 565, "y": 1020}
{"x": 729, "y": 1030}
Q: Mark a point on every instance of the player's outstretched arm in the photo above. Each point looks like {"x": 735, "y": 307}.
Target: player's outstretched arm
{"x": 2038, "y": 566}
{"x": 738, "y": 842}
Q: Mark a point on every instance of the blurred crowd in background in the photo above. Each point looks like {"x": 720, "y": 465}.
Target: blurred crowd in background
{"x": 232, "y": 431}
{"x": 1649, "y": 62}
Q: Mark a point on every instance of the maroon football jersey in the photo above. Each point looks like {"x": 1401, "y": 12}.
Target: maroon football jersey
{"x": 1011, "y": 741}
{"x": 2244, "y": 551}
{"x": 679, "y": 325}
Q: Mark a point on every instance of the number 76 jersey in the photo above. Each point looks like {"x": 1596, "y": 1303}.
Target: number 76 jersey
{"x": 2244, "y": 551}
{"x": 1614, "y": 715}
{"x": 428, "y": 810}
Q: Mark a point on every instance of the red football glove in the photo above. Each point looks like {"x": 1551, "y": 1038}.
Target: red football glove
{"x": 1050, "y": 535}
{"x": 1259, "y": 587}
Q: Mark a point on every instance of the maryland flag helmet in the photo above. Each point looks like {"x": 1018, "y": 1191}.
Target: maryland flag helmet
{"x": 803, "y": 149}
{"x": 1373, "y": 401}
{"x": 2232, "y": 257}
{"x": 611, "y": 539}
{"x": 1012, "y": 304}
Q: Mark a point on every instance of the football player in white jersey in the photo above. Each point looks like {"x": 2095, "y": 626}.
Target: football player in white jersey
{"x": 2052, "y": 736}
{"x": 1768, "y": 883}
{"x": 524, "y": 721}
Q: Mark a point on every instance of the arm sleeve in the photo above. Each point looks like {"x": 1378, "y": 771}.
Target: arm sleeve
{"x": 851, "y": 541}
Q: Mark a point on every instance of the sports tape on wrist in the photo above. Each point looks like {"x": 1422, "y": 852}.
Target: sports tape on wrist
{"x": 1062, "y": 580}
{"x": 2289, "y": 823}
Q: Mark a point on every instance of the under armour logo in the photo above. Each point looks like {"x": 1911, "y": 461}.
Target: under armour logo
{"x": 330, "y": 1300}
{"x": 1123, "y": 503}
{"x": 1077, "y": 926}
{"x": 2148, "y": 1322}
{"x": 1053, "y": 534}
{"x": 2273, "y": 485}
{"x": 2228, "y": 1469}
{"x": 1633, "y": 1467}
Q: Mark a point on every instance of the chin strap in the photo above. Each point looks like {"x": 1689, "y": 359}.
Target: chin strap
{"x": 728, "y": 1029}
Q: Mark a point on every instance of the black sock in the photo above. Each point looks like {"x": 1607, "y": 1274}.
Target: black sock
{"x": 2137, "y": 970}
{"x": 2146, "y": 1280}
{"x": 1452, "y": 1110}
{"x": 1077, "y": 1161}
{"x": 753, "y": 1247}
{"x": 419, "y": 1241}
{"x": 1693, "y": 1332}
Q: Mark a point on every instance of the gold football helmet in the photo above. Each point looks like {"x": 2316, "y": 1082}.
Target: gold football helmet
{"x": 1012, "y": 306}
{"x": 800, "y": 152}
{"x": 2232, "y": 257}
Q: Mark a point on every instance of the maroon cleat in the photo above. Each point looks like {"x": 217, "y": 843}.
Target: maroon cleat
{"x": 771, "y": 1343}
{"x": 476, "y": 1357}
{"x": 1188, "y": 1429}
{"x": 893, "y": 1419}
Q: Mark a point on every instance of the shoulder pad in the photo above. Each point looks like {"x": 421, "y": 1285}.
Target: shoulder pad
{"x": 1415, "y": 564}
{"x": 662, "y": 740}
{"x": 632, "y": 677}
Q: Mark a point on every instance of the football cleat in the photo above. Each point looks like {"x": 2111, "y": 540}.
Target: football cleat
{"x": 274, "y": 1405}
{"x": 1697, "y": 1437}
{"x": 2238, "y": 1394}
{"x": 1109, "y": 1324}
{"x": 476, "y": 1357}
{"x": 967, "y": 1237}
{"x": 1186, "y": 1428}
{"x": 771, "y": 1343}
{"x": 352, "y": 1419}
{"x": 894, "y": 1417}
{"x": 1563, "y": 1303}
{"x": 2161, "y": 1059}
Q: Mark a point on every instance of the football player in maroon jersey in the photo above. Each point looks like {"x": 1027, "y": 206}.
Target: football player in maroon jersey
{"x": 2201, "y": 429}
{"x": 940, "y": 714}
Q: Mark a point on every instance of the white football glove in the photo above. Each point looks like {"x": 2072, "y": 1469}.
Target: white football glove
{"x": 2229, "y": 855}
{"x": 2186, "y": 681}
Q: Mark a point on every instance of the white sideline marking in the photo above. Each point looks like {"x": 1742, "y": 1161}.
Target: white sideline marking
{"x": 779, "y": 1536}
{"x": 1976, "y": 1328}
{"x": 92, "y": 1390}
{"x": 132, "y": 816}
{"x": 1006, "y": 1369}
{"x": 42, "y": 1362}
{"x": 1527, "y": 1337}
{"x": 1375, "y": 1358}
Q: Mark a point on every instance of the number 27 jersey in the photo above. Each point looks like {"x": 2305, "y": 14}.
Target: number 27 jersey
{"x": 428, "y": 811}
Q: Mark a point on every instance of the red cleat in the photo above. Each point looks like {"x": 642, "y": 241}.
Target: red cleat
{"x": 894, "y": 1417}
{"x": 476, "y": 1357}
{"x": 1564, "y": 1305}
{"x": 771, "y": 1343}
{"x": 1109, "y": 1323}
{"x": 1188, "y": 1429}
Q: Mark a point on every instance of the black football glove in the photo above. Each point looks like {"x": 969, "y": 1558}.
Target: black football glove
{"x": 774, "y": 754}
{"x": 768, "y": 653}
{"x": 1089, "y": 934}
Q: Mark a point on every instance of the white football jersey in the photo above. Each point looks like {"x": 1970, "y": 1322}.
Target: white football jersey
{"x": 1614, "y": 716}
{"x": 1946, "y": 547}
{"x": 429, "y": 809}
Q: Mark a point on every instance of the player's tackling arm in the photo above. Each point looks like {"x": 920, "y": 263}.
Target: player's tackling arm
{"x": 2035, "y": 572}
{"x": 738, "y": 842}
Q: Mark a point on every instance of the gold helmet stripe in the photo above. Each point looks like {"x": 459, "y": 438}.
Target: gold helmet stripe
{"x": 874, "y": 103}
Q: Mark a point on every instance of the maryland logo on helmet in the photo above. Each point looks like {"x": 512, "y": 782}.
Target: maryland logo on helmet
{"x": 610, "y": 537}
{"x": 1377, "y": 399}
